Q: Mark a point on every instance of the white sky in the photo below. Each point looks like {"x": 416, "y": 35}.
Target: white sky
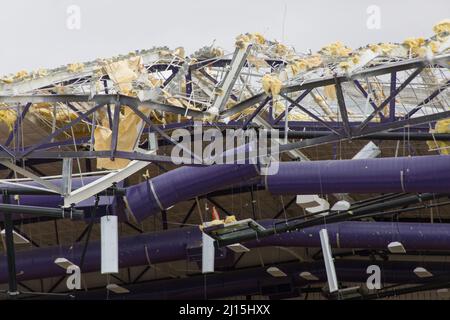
{"x": 34, "y": 32}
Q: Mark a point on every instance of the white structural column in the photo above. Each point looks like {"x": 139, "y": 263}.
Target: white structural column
{"x": 109, "y": 244}
{"x": 208, "y": 253}
{"x": 328, "y": 259}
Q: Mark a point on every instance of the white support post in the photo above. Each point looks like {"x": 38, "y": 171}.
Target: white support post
{"x": 109, "y": 244}
{"x": 328, "y": 259}
{"x": 67, "y": 176}
{"x": 208, "y": 253}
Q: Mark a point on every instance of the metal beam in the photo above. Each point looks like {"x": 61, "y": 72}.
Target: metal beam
{"x": 342, "y": 107}
{"x": 41, "y": 211}
{"x": 28, "y": 174}
{"x": 393, "y": 94}
{"x": 115, "y": 130}
{"x": 105, "y": 182}
{"x": 237, "y": 63}
{"x": 298, "y": 100}
{"x": 428, "y": 99}
{"x": 309, "y": 113}
{"x": 61, "y": 130}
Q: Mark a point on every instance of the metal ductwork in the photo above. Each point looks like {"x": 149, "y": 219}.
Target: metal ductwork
{"x": 405, "y": 174}
{"x": 167, "y": 189}
{"x": 256, "y": 281}
{"x": 175, "y": 244}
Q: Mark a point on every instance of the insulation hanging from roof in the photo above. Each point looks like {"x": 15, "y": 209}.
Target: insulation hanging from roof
{"x": 8, "y": 117}
{"x": 442, "y": 126}
{"x": 442, "y": 27}
{"x": 336, "y": 49}
{"x": 271, "y": 84}
{"x": 129, "y": 131}
{"x": 122, "y": 73}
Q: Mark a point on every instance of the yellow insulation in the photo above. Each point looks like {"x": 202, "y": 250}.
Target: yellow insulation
{"x": 257, "y": 62}
{"x": 415, "y": 45}
{"x": 122, "y": 73}
{"x": 441, "y": 27}
{"x": 271, "y": 84}
{"x": 304, "y": 64}
{"x": 281, "y": 49}
{"x": 280, "y": 107}
{"x": 129, "y": 126}
{"x": 330, "y": 92}
{"x": 8, "y": 117}
{"x": 434, "y": 46}
{"x": 383, "y": 47}
{"x": 227, "y": 220}
{"x": 179, "y": 52}
{"x": 75, "y": 67}
{"x": 336, "y": 49}
{"x": 40, "y": 73}
{"x": 7, "y": 80}
{"x": 243, "y": 40}
{"x": 46, "y": 110}
{"x": 442, "y": 126}
{"x": 21, "y": 75}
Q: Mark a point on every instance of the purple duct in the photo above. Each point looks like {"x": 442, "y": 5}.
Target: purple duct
{"x": 256, "y": 281}
{"x": 408, "y": 174}
{"x": 175, "y": 244}
{"x": 167, "y": 189}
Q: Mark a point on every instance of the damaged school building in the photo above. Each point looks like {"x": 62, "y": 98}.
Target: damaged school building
{"x": 94, "y": 206}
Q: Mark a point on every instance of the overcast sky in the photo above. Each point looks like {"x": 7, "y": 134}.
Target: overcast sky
{"x": 34, "y": 33}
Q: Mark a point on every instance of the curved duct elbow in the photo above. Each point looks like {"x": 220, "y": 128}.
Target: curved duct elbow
{"x": 165, "y": 190}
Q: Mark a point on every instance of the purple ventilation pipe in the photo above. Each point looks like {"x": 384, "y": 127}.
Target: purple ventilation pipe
{"x": 167, "y": 189}
{"x": 256, "y": 281}
{"x": 406, "y": 174}
{"x": 175, "y": 244}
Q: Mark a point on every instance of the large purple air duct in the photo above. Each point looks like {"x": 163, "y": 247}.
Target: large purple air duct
{"x": 181, "y": 184}
{"x": 256, "y": 281}
{"x": 407, "y": 174}
{"x": 172, "y": 245}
